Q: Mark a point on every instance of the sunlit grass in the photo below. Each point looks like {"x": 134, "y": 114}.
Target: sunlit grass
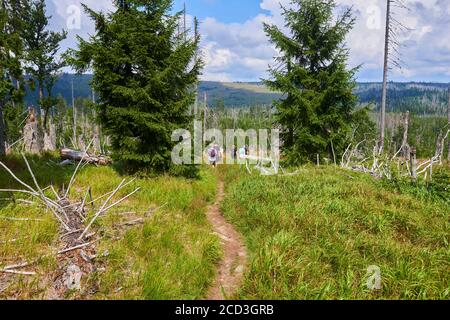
{"x": 313, "y": 236}
{"x": 171, "y": 256}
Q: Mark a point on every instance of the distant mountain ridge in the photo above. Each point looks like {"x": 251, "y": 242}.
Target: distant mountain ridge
{"x": 417, "y": 97}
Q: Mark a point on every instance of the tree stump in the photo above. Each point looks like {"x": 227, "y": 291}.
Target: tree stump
{"x": 32, "y": 143}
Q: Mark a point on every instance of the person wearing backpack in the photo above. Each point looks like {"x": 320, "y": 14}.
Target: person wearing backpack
{"x": 212, "y": 156}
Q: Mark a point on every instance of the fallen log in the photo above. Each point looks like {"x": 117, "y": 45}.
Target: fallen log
{"x": 74, "y": 155}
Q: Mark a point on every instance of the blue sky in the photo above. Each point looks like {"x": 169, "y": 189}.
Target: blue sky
{"x": 235, "y": 48}
{"x": 227, "y": 11}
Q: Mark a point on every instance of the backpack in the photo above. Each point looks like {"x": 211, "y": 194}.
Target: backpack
{"x": 212, "y": 153}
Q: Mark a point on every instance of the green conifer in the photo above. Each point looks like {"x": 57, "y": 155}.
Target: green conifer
{"x": 145, "y": 70}
{"x": 315, "y": 113}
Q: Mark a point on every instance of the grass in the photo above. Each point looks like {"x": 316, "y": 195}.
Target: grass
{"x": 309, "y": 236}
{"x": 314, "y": 235}
{"x": 171, "y": 256}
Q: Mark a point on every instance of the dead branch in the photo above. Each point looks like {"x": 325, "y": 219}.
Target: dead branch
{"x": 49, "y": 203}
{"x": 121, "y": 200}
{"x": 132, "y": 222}
{"x": 8, "y": 241}
{"x": 107, "y": 194}
{"x": 25, "y": 273}
{"x": 19, "y": 219}
{"x": 70, "y": 233}
{"x": 76, "y": 170}
{"x": 20, "y": 265}
{"x": 101, "y": 209}
{"x": 75, "y": 247}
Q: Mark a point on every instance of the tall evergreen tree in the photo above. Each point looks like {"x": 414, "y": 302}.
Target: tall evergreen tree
{"x": 11, "y": 49}
{"x": 42, "y": 46}
{"x": 316, "y": 111}
{"x": 144, "y": 73}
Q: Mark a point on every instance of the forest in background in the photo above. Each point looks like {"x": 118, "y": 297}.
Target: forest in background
{"x": 248, "y": 105}
{"x": 428, "y": 99}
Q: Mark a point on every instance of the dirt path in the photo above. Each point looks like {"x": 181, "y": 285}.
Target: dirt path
{"x": 230, "y": 270}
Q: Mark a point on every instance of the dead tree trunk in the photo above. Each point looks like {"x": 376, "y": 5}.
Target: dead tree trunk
{"x": 32, "y": 142}
{"x": 74, "y": 110}
{"x": 413, "y": 159}
{"x": 50, "y": 136}
{"x": 439, "y": 148}
{"x": 96, "y": 144}
{"x": 448, "y": 116}
{"x": 405, "y": 145}
{"x": 385, "y": 75}
{"x": 74, "y": 155}
{"x": 49, "y": 132}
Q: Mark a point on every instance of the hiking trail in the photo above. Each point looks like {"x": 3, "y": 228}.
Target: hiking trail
{"x": 230, "y": 269}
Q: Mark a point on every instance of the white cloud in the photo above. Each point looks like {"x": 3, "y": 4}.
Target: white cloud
{"x": 425, "y": 56}
{"x": 241, "y": 51}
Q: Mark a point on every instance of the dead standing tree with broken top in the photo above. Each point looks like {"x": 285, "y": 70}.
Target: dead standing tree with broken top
{"x": 31, "y": 136}
{"x": 392, "y": 58}
{"x": 448, "y": 118}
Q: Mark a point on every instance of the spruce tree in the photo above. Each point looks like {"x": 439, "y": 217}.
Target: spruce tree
{"x": 42, "y": 46}
{"x": 144, "y": 74}
{"x": 315, "y": 112}
{"x": 11, "y": 49}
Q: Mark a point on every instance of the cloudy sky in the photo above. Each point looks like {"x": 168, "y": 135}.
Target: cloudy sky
{"x": 235, "y": 47}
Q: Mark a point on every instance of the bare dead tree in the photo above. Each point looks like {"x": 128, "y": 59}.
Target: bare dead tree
{"x": 448, "y": 117}
{"x": 385, "y": 76}
{"x": 405, "y": 145}
{"x": 196, "y": 33}
{"x": 391, "y": 57}
{"x": 96, "y": 129}
{"x": 74, "y": 110}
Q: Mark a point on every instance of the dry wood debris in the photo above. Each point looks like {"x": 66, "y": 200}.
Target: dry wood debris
{"x": 77, "y": 248}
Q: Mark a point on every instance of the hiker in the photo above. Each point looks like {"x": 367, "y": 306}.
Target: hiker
{"x": 212, "y": 156}
{"x": 242, "y": 153}
{"x": 234, "y": 153}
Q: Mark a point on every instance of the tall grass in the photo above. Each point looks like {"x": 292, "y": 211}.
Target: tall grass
{"x": 171, "y": 256}
{"x": 313, "y": 236}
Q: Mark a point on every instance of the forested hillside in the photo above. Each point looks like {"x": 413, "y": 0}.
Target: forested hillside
{"x": 418, "y": 98}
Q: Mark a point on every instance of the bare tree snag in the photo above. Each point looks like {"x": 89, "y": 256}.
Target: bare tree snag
{"x": 74, "y": 111}
{"x": 440, "y": 145}
{"x": 405, "y": 145}
{"x": 385, "y": 75}
{"x": 32, "y": 143}
{"x": 96, "y": 129}
{"x": 413, "y": 159}
{"x": 448, "y": 117}
{"x": 49, "y": 133}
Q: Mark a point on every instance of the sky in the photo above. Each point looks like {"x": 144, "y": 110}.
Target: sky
{"x": 235, "y": 47}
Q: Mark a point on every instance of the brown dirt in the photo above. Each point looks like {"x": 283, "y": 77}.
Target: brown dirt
{"x": 230, "y": 270}
{"x": 79, "y": 258}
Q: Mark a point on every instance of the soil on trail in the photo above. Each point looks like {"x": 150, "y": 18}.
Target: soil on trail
{"x": 230, "y": 270}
